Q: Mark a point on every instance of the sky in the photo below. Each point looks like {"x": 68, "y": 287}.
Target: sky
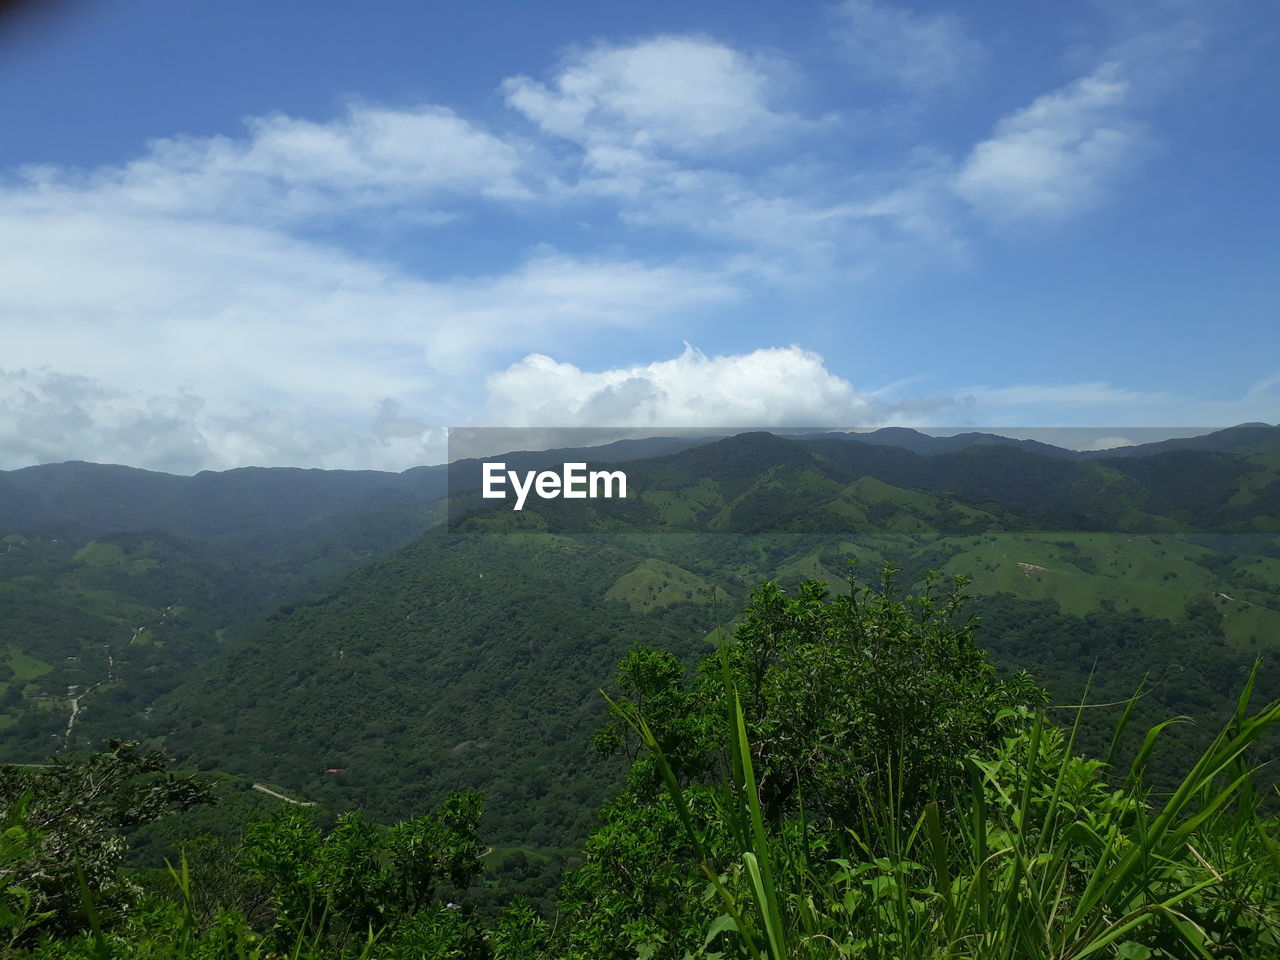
{"x": 319, "y": 234}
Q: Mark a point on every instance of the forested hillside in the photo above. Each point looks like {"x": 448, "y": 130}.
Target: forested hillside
{"x": 848, "y": 777}
{"x": 340, "y": 643}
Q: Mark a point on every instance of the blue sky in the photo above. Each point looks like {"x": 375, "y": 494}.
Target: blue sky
{"x": 237, "y": 233}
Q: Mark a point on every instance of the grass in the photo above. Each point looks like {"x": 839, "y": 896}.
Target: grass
{"x": 654, "y": 584}
{"x": 683, "y": 507}
{"x": 26, "y": 667}
{"x": 95, "y": 554}
{"x": 1153, "y": 575}
{"x": 1041, "y": 858}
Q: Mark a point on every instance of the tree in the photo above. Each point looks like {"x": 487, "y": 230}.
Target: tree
{"x": 65, "y": 823}
{"x": 839, "y": 696}
{"x": 360, "y": 877}
{"x": 859, "y": 711}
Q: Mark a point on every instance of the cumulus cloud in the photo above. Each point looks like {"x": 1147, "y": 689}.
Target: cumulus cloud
{"x": 679, "y": 94}
{"x": 194, "y": 274}
{"x": 213, "y": 300}
{"x": 177, "y": 312}
{"x": 920, "y": 52}
{"x": 268, "y": 327}
{"x": 1055, "y": 157}
{"x": 776, "y": 386}
{"x": 656, "y": 127}
{"x": 793, "y": 387}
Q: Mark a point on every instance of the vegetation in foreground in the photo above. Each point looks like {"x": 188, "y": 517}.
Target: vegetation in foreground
{"x": 848, "y": 778}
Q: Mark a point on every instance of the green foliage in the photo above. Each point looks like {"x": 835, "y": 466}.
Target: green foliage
{"x": 783, "y": 802}
{"x": 1037, "y": 856}
{"x": 837, "y": 694}
{"x": 864, "y": 729}
{"x": 359, "y": 877}
{"x": 638, "y": 888}
{"x": 460, "y": 662}
{"x": 472, "y": 662}
{"x": 20, "y": 905}
{"x": 63, "y": 842}
{"x": 854, "y": 706}
{"x": 356, "y": 890}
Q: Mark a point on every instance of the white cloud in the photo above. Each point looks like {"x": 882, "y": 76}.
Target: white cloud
{"x": 247, "y": 319}
{"x": 286, "y": 345}
{"x": 678, "y": 94}
{"x": 49, "y": 417}
{"x": 291, "y": 168}
{"x": 1055, "y": 157}
{"x": 1110, "y": 443}
{"x": 791, "y": 386}
{"x": 190, "y": 294}
{"x": 769, "y": 387}
{"x": 172, "y": 312}
{"x": 921, "y": 52}
{"x": 684, "y": 132}
{"x": 654, "y": 128}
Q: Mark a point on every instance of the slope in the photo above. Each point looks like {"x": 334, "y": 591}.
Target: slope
{"x": 456, "y": 662}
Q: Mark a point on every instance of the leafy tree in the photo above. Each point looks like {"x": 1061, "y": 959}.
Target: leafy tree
{"x": 63, "y": 841}
{"x": 848, "y": 698}
{"x": 859, "y": 710}
{"x": 973, "y": 830}
{"x": 359, "y": 878}
{"x": 840, "y": 695}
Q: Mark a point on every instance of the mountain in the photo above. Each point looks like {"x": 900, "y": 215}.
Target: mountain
{"x": 477, "y": 660}
{"x": 928, "y": 445}
{"x": 253, "y": 507}
{"x": 116, "y": 584}
{"x": 1245, "y": 438}
{"x": 283, "y": 511}
{"x": 93, "y": 630}
{"x": 474, "y": 656}
{"x": 280, "y": 509}
{"x": 761, "y": 482}
{"x": 279, "y": 625}
{"x": 457, "y": 662}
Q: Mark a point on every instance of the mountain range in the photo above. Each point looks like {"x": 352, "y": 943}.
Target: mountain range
{"x": 329, "y": 635}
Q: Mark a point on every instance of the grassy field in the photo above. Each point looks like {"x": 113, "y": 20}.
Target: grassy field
{"x": 655, "y": 583}
{"x": 1158, "y": 575}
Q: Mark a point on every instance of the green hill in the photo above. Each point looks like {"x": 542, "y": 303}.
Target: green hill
{"x": 460, "y": 661}
{"x": 360, "y": 662}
